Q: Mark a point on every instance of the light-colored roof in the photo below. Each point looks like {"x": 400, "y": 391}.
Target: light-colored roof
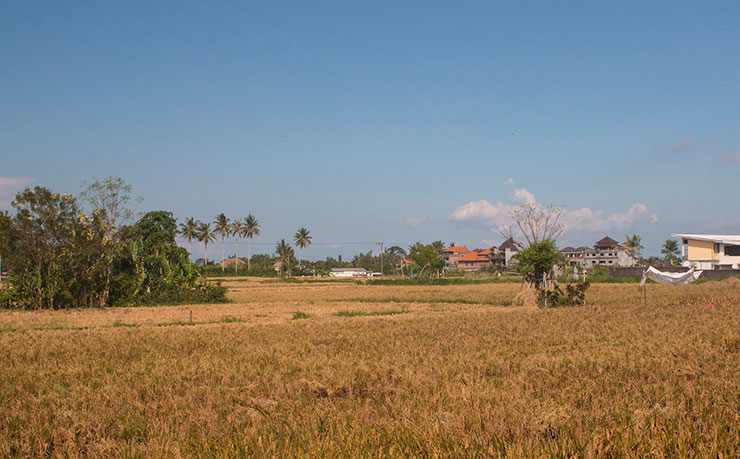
{"x": 341, "y": 270}
{"x": 723, "y": 238}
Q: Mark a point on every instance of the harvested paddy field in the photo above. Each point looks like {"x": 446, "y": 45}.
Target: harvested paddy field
{"x": 344, "y": 369}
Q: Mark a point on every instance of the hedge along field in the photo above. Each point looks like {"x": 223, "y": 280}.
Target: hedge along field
{"x": 614, "y": 378}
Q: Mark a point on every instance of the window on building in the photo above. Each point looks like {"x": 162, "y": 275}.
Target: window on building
{"x": 732, "y": 250}
{"x": 716, "y": 247}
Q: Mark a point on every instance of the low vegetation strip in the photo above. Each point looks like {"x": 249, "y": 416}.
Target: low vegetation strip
{"x": 424, "y": 301}
{"x": 370, "y": 313}
{"x": 443, "y": 281}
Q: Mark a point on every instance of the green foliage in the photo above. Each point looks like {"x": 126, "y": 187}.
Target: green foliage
{"x": 537, "y": 260}
{"x": 372, "y": 313}
{"x": 574, "y": 295}
{"x": 60, "y": 257}
{"x": 671, "y": 251}
{"x": 300, "y": 315}
{"x": 426, "y": 260}
{"x": 443, "y": 281}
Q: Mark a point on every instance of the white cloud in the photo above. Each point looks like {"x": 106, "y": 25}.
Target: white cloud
{"x": 483, "y": 214}
{"x": 729, "y": 158}
{"x": 523, "y": 196}
{"x": 509, "y": 181}
{"x": 684, "y": 144}
{"x": 334, "y": 246}
{"x": 414, "y": 222}
{"x": 9, "y": 186}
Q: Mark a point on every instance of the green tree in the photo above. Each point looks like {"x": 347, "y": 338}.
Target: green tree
{"x": 222, "y": 228}
{"x": 251, "y": 228}
{"x": 285, "y": 255}
{"x": 537, "y": 262}
{"x": 438, "y": 246}
{"x": 112, "y": 197}
{"x": 39, "y": 248}
{"x": 189, "y": 230}
{"x": 633, "y": 245}
{"x": 206, "y": 236}
{"x": 425, "y": 258}
{"x": 236, "y": 231}
{"x": 670, "y": 250}
{"x": 302, "y": 240}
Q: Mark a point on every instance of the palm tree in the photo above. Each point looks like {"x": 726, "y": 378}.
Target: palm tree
{"x": 206, "y": 236}
{"x": 222, "y": 228}
{"x": 633, "y": 245}
{"x": 670, "y": 250}
{"x": 236, "y": 230}
{"x": 302, "y": 240}
{"x": 189, "y": 230}
{"x": 284, "y": 253}
{"x": 250, "y": 229}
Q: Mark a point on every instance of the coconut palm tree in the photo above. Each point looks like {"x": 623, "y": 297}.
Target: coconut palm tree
{"x": 250, "y": 229}
{"x": 206, "y": 236}
{"x": 236, "y": 231}
{"x": 633, "y": 245}
{"x": 285, "y": 253}
{"x": 223, "y": 229}
{"x": 670, "y": 250}
{"x": 189, "y": 230}
{"x": 302, "y": 240}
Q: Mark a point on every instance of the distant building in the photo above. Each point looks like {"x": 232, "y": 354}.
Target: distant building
{"x": 350, "y": 272}
{"x": 473, "y": 261}
{"x": 508, "y": 249}
{"x": 453, "y": 254}
{"x": 606, "y": 252}
{"x": 710, "y": 251}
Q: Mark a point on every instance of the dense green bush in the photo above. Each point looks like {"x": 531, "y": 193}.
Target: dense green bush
{"x": 60, "y": 257}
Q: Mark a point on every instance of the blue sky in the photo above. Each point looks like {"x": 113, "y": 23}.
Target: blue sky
{"x": 383, "y": 121}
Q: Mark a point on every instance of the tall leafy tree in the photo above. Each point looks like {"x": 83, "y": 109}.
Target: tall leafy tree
{"x": 236, "y": 231}
{"x": 206, "y": 235}
{"x": 633, "y": 245}
{"x": 222, "y": 228}
{"x": 112, "y": 197}
{"x": 285, "y": 254}
{"x": 189, "y": 231}
{"x": 250, "y": 230}
{"x": 302, "y": 240}
{"x": 426, "y": 258}
{"x": 670, "y": 250}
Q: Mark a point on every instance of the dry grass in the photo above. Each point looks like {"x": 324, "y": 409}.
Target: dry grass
{"x": 451, "y": 376}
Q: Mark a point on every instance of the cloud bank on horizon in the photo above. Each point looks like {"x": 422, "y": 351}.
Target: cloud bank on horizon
{"x": 489, "y": 216}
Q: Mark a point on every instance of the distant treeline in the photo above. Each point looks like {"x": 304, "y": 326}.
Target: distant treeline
{"x": 59, "y": 256}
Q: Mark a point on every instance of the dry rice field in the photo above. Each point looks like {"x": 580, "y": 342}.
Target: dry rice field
{"x": 430, "y": 371}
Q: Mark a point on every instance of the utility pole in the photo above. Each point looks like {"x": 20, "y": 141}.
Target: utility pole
{"x": 381, "y": 258}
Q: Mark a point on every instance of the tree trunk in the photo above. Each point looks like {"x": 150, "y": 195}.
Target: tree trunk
{"x": 236, "y": 258}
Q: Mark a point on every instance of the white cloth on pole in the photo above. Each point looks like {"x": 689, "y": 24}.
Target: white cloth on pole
{"x": 670, "y": 278}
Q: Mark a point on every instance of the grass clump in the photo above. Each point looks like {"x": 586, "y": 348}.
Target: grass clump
{"x": 300, "y": 315}
{"x": 370, "y": 313}
{"x": 119, "y": 323}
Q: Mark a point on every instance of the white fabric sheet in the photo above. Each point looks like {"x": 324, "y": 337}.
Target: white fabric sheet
{"x": 670, "y": 278}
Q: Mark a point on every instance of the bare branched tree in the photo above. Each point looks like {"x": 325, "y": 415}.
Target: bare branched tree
{"x": 535, "y": 223}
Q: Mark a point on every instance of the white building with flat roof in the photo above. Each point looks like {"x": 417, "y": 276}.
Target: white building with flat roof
{"x": 350, "y": 272}
{"x": 710, "y": 251}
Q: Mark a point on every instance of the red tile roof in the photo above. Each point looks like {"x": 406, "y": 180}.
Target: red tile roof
{"x": 470, "y": 256}
{"x": 457, "y": 249}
